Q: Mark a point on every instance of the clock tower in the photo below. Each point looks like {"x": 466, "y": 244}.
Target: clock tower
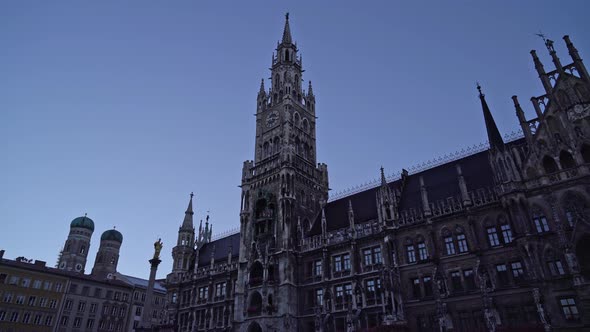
{"x": 283, "y": 190}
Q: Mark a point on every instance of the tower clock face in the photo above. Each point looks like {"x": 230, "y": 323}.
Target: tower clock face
{"x": 272, "y": 119}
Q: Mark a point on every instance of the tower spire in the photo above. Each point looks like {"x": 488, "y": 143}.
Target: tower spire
{"x": 577, "y": 60}
{"x": 261, "y": 86}
{"x": 494, "y": 136}
{"x": 383, "y": 180}
{"x": 188, "y": 215}
{"x": 287, "y": 31}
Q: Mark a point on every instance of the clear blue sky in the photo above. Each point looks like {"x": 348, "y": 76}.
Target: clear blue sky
{"x": 121, "y": 109}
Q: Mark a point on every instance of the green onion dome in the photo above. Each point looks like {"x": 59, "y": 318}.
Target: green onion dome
{"x": 112, "y": 235}
{"x": 83, "y": 222}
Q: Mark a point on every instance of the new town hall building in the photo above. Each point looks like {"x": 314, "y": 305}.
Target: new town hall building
{"x": 497, "y": 240}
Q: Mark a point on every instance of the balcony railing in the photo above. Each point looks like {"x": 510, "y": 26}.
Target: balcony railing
{"x": 340, "y": 235}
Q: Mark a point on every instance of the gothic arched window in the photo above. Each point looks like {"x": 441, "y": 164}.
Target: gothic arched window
{"x": 540, "y": 221}
{"x": 566, "y": 160}
{"x": 255, "y": 306}
{"x": 549, "y": 165}
{"x": 265, "y": 150}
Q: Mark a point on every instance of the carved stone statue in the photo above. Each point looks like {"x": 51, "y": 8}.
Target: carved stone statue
{"x": 157, "y": 248}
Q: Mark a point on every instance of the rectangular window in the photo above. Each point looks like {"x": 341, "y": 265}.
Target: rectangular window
{"x": 117, "y": 296}
{"x": 456, "y": 281}
{"x": 26, "y": 317}
{"x": 337, "y": 263}
{"x": 52, "y": 304}
{"x": 14, "y": 316}
{"x": 47, "y": 285}
{"x": 569, "y": 308}
{"x": 319, "y": 297}
{"x": 556, "y": 268}
{"x": 73, "y": 288}
{"x": 377, "y": 255}
{"x": 506, "y": 233}
{"x": 32, "y": 300}
{"x": 3, "y": 277}
{"x": 368, "y": 257}
{"x": 48, "y": 320}
{"x": 37, "y": 284}
{"x": 541, "y": 224}
{"x": 13, "y": 280}
{"x": 7, "y": 297}
{"x": 138, "y": 311}
{"x": 370, "y": 286}
{"x": 20, "y": 299}
{"x": 469, "y": 279}
{"x": 92, "y": 308}
{"x": 97, "y": 292}
{"x": 89, "y": 323}
{"x": 68, "y": 305}
{"x": 422, "y": 253}
{"x": 219, "y": 290}
{"x": 125, "y": 297}
{"x": 58, "y": 287}
{"x": 42, "y": 302}
{"x": 450, "y": 245}
{"x": 105, "y": 310}
{"x": 2, "y": 315}
{"x": 64, "y": 321}
{"x": 203, "y": 294}
{"x": 348, "y": 292}
{"x": 411, "y": 254}
{"x": 339, "y": 294}
{"x": 37, "y": 319}
{"x": 502, "y": 274}
{"x": 81, "y": 306}
{"x": 317, "y": 268}
{"x": 427, "y": 281}
{"x": 26, "y": 282}
{"x": 462, "y": 242}
{"x": 346, "y": 262}
{"x": 77, "y": 322}
{"x": 517, "y": 272}
{"x": 493, "y": 237}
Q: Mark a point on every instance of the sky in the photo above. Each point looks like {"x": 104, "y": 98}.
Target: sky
{"x": 121, "y": 109}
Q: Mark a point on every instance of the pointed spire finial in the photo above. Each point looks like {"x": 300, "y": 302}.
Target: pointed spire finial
{"x": 383, "y": 180}
{"x": 479, "y": 89}
{"x": 189, "y": 209}
{"x": 287, "y": 31}
{"x": 494, "y": 137}
{"x": 310, "y": 89}
{"x": 262, "y": 85}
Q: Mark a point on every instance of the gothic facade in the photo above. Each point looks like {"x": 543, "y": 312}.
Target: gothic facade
{"x": 497, "y": 240}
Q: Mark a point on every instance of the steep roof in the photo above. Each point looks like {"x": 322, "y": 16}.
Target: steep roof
{"x": 220, "y": 249}
{"x": 440, "y": 181}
